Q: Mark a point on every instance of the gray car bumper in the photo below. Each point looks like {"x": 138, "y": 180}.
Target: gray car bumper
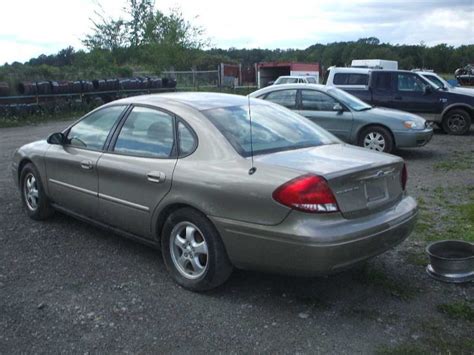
{"x": 308, "y": 245}
{"x": 413, "y": 138}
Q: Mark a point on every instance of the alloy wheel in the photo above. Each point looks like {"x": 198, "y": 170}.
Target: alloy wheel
{"x": 456, "y": 123}
{"x": 30, "y": 191}
{"x": 189, "y": 250}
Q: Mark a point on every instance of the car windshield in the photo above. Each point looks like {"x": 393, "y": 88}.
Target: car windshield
{"x": 436, "y": 80}
{"x": 311, "y": 80}
{"x": 347, "y": 99}
{"x": 273, "y": 129}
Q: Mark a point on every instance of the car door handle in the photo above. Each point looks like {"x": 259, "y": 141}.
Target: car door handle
{"x": 156, "y": 176}
{"x": 86, "y": 164}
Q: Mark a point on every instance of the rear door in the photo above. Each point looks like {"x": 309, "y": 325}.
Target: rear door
{"x": 320, "y": 108}
{"x": 382, "y": 87}
{"x": 72, "y": 168}
{"x": 137, "y": 170}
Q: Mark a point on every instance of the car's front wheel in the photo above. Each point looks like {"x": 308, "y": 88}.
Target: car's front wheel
{"x": 33, "y": 196}
{"x": 376, "y": 138}
{"x": 193, "y": 251}
{"x": 457, "y": 122}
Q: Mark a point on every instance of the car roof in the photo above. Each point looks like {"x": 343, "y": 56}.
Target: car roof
{"x": 291, "y": 86}
{"x": 350, "y": 70}
{"x": 296, "y": 76}
{"x": 198, "y": 100}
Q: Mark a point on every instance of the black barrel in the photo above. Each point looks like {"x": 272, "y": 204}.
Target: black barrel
{"x": 169, "y": 83}
{"x": 44, "y": 87}
{"x": 155, "y": 83}
{"x": 27, "y": 88}
{"x": 106, "y": 85}
{"x": 4, "y": 89}
{"x": 62, "y": 87}
{"x": 130, "y": 84}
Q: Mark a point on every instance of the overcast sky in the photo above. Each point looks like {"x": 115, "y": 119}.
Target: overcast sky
{"x": 29, "y": 28}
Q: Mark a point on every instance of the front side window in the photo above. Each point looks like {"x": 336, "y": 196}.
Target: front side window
{"x": 92, "y": 131}
{"x": 273, "y": 129}
{"x": 285, "y": 98}
{"x": 146, "y": 132}
{"x": 409, "y": 82}
{"x": 316, "y": 101}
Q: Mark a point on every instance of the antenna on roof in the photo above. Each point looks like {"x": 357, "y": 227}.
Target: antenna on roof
{"x": 252, "y": 169}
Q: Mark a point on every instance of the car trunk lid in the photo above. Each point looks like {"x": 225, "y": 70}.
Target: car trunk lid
{"x": 362, "y": 181}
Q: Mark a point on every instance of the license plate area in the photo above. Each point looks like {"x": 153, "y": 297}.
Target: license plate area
{"x": 376, "y": 190}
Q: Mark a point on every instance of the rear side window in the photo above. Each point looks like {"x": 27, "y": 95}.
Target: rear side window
{"x": 382, "y": 81}
{"x": 187, "y": 142}
{"x": 146, "y": 132}
{"x": 92, "y": 131}
{"x": 316, "y": 101}
{"x": 350, "y": 79}
{"x": 285, "y": 98}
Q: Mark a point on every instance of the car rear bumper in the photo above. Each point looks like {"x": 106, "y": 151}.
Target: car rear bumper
{"x": 309, "y": 245}
{"x": 413, "y": 138}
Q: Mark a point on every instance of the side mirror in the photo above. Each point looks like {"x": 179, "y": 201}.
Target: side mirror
{"x": 427, "y": 90}
{"x": 338, "y": 107}
{"x": 56, "y": 138}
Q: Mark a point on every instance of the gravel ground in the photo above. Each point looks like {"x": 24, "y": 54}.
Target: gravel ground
{"x": 68, "y": 287}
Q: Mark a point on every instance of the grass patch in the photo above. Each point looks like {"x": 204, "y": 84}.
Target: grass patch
{"x": 432, "y": 339}
{"x": 445, "y": 216}
{"x": 419, "y": 259}
{"x": 457, "y": 310}
{"x": 458, "y": 161}
{"x": 17, "y": 121}
{"x": 377, "y": 278}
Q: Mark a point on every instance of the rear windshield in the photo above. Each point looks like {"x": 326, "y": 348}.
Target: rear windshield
{"x": 274, "y": 129}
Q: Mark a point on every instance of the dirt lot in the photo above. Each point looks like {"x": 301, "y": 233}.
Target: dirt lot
{"x": 69, "y": 287}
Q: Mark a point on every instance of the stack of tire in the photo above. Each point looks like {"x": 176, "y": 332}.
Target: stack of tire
{"x": 4, "y": 89}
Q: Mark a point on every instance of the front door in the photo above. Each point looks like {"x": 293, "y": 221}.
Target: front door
{"x": 322, "y": 109}
{"x": 72, "y": 168}
{"x": 411, "y": 95}
{"x": 136, "y": 173}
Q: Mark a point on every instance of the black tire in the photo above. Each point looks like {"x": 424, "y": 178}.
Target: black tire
{"x": 377, "y": 131}
{"x": 457, "y": 122}
{"x": 41, "y": 209}
{"x": 218, "y": 267}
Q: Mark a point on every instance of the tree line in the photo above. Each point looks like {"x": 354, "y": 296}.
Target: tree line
{"x": 146, "y": 40}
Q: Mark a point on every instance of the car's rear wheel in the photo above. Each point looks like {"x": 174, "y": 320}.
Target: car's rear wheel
{"x": 457, "y": 122}
{"x": 32, "y": 194}
{"x": 376, "y": 138}
{"x": 193, "y": 251}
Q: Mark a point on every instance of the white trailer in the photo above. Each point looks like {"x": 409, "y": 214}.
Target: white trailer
{"x": 375, "y": 64}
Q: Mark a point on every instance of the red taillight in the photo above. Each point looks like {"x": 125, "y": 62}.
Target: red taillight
{"x": 404, "y": 177}
{"x": 308, "y": 193}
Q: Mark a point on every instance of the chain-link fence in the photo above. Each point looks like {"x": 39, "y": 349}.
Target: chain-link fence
{"x": 194, "y": 79}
